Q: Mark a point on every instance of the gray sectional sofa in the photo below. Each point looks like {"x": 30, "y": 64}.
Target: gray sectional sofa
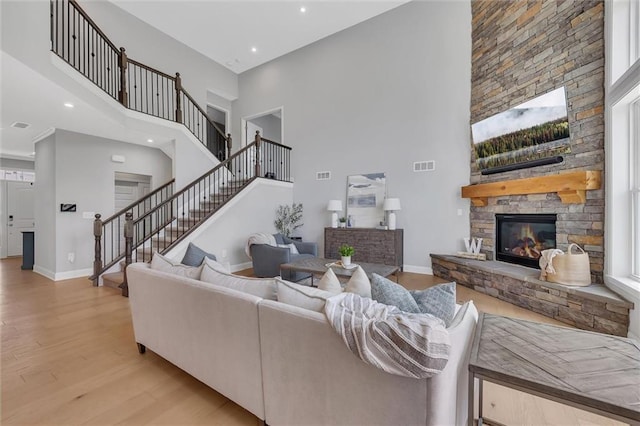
{"x": 286, "y": 364}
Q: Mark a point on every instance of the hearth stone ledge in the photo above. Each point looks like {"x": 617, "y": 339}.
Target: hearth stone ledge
{"x": 594, "y": 307}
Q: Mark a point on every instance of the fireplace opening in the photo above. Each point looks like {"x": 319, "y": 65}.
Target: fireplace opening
{"x": 520, "y": 238}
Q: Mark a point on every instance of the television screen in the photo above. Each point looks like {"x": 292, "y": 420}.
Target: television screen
{"x": 533, "y": 130}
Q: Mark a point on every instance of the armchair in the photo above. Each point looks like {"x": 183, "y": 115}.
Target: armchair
{"x": 267, "y": 259}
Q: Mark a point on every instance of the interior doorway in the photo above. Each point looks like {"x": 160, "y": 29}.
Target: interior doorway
{"x": 216, "y": 142}
{"x": 20, "y": 214}
{"x": 270, "y": 124}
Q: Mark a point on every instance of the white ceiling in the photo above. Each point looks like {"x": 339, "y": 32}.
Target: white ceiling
{"x": 224, "y": 31}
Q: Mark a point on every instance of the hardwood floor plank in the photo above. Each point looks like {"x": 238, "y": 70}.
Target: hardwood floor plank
{"x": 69, "y": 358}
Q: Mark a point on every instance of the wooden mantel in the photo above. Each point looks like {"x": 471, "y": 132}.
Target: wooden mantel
{"x": 571, "y": 187}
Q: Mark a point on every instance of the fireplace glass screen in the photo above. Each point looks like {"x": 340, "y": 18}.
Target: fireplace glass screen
{"x": 522, "y": 237}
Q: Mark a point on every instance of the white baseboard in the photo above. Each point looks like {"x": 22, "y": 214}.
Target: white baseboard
{"x": 425, "y": 270}
{"x": 241, "y": 266}
{"x": 58, "y": 276}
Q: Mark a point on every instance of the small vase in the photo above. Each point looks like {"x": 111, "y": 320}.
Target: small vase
{"x": 346, "y": 260}
{"x": 342, "y": 225}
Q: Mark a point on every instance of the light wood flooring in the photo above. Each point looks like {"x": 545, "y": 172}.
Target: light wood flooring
{"x": 69, "y": 358}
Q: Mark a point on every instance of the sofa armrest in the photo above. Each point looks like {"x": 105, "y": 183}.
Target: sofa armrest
{"x": 303, "y": 247}
{"x": 267, "y": 259}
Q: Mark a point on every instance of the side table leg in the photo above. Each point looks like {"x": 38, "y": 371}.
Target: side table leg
{"x": 472, "y": 400}
{"x": 480, "y": 392}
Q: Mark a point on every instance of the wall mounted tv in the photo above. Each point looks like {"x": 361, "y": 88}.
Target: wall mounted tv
{"x": 533, "y": 133}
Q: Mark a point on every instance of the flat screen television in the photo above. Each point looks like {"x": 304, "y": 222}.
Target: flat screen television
{"x": 534, "y": 130}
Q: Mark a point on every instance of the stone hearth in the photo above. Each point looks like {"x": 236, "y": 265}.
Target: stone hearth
{"x": 594, "y": 307}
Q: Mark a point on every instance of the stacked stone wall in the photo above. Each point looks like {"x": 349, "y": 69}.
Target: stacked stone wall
{"x": 523, "y": 49}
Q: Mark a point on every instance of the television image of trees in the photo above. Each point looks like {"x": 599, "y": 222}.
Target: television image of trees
{"x": 534, "y": 130}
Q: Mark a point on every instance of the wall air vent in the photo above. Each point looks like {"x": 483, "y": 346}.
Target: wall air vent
{"x": 424, "y": 166}
{"x": 20, "y": 125}
{"x": 323, "y": 175}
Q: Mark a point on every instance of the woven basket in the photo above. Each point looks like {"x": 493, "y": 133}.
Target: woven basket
{"x": 571, "y": 268}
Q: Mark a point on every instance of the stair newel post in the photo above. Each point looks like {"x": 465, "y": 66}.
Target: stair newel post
{"x": 178, "y": 98}
{"x": 258, "y": 139}
{"x": 97, "y": 257}
{"x": 229, "y": 145}
{"x": 122, "y": 95}
{"x": 128, "y": 248}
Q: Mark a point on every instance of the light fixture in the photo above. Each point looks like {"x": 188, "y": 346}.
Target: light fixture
{"x": 334, "y": 206}
{"x": 391, "y": 205}
{"x": 150, "y": 140}
{"x": 68, "y": 104}
{"x": 303, "y": 9}
{"x": 254, "y": 49}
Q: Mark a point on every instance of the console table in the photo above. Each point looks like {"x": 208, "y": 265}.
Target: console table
{"x": 371, "y": 245}
{"x": 592, "y": 371}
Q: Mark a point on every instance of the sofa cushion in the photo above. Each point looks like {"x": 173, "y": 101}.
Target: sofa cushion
{"x": 302, "y": 296}
{"x": 279, "y": 238}
{"x": 215, "y": 265}
{"x": 164, "y": 264}
{"x": 261, "y": 287}
{"x": 386, "y": 291}
{"x": 329, "y": 282}
{"x": 439, "y": 300}
{"x": 359, "y": 283}
{"x": 195, "y": 255}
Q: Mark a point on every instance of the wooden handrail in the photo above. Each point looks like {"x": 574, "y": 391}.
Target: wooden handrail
{"x": 275, "y": 143}
{"x": 141, "y": 200}
{"x": 215, "y": 126}
{"x": 95, "y": 26}
{"x": 148, "y": 68}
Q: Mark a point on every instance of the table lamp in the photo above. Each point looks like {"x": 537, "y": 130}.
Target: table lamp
{"x": 334, "y": 206}
{"x": 391, "y": 205}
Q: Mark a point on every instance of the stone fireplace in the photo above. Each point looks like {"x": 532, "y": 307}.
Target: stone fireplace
{"x": 521, "y": 238}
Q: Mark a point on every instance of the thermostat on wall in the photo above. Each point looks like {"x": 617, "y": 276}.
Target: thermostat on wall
{"x": 67, "y": 207}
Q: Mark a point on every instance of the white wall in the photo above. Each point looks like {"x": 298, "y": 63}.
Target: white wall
{"x": 68, "y": 161}
{"x": 251, "y": 211}
{"x": 375, "y": 98}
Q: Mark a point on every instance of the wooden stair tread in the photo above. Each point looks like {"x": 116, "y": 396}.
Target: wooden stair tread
{"x": 113, "y": 279}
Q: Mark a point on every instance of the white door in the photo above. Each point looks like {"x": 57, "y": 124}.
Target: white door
{"x": 20, "y": 214}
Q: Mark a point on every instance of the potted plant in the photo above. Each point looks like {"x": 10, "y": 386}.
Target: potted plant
{"x": 342, "y": 222}
{"x": 288, "y": 219}
{"x": 346, "y": 251}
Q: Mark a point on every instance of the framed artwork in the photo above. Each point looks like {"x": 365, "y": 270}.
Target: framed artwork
{"x": 534, "y": 130}
{"x": 365, "y": 195}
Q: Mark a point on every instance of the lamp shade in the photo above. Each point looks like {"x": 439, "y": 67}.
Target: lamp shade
{"x": 391, "y": 204}
{"x": 335, "y": 206}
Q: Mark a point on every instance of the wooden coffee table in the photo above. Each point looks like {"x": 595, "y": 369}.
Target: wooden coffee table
{"x": 591, "y": 371}
{"x": 317, "y": 265}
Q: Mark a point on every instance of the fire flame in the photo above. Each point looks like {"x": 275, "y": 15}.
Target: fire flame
{"x": 527, "y": 244}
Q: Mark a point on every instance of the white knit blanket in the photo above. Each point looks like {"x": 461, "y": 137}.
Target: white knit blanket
{"x": 404, "y": 344}
{"x": 259, "y": 238}
{"x": 546, "y": 262}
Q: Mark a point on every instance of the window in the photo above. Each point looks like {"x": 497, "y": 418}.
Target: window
{"x": 622, "y": 148}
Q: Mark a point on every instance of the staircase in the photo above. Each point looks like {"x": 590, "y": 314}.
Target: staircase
{"x": 162, "y": 219}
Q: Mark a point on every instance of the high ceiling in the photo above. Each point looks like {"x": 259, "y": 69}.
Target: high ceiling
{"x": 225, "y": 31}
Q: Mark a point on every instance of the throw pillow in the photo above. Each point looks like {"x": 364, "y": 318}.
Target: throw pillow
{"x": 292, "y": 248}
{"x": 329, "y": 282}
{"x": 439, "y": 301}
{"x": 261, "y": 287}
{"x": 386, "y": 291}
{"x": 215, "y": 265}
{"x": 195, "y": 255}
{"x": 457, "y": 319}
{"x": 279, "y": 238}
{"x": 302, "y": 296}
{"x": 164, "y": 264}
{"x": 359, "y": 283}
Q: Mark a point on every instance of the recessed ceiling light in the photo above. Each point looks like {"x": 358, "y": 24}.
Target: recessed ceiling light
{"x": 254, "y": 49}
{"x": 20, "y": 125}
{"x": 303, "y": 9}
{"x": 68, "y": 104}
{"x": 150, "y": 140}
